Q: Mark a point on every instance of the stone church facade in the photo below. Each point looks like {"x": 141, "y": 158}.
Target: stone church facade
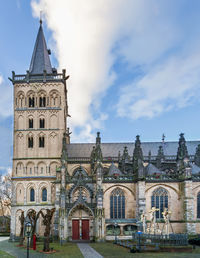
{"x": 98, "y": 189}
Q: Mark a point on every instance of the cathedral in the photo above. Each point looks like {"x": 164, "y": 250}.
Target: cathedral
{"x": 99, "y": 190}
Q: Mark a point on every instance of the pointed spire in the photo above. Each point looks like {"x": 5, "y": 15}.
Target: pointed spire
{"x": 137, "y": 154}
{"x": 160, "y": 156}
{"x": 182, "y": 148}
{"x": 40, "y": 59}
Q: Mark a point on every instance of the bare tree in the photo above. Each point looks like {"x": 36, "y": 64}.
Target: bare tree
{"x": 33, "y": 217}
{"x": 47, "y": 222}
{"x": 5, "y": 195}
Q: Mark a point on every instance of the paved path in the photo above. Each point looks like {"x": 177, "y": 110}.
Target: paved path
{"x": 87, "y": 251}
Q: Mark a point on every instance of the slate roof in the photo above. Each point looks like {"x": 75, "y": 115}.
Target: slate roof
{"x": 151, "y": 169}
{"x": 83, "y": 150}
{"x": 114, "y": 170}
{"x": 40, "y": 59}
{"x": 195, "y": 169}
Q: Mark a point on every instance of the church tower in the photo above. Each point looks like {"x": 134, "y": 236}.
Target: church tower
{"x": 40, "y": 111}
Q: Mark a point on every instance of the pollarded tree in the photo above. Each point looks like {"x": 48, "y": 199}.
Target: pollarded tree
{"x": 47, "y": 220}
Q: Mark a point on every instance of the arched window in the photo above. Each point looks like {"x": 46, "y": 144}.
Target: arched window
{"x": 41, "y": 141}
{"x": 30, "y": 142}
{"x": 159, "y": 199}
{"x": 32, "y": 195}
{"x": 42, "y": 101}
{"x": 44, "y": 194}
{"x": 117, "y": 204}
{"x": 31, "y": 102}
{"x": 198, "y": 205}
{"x": 42, "y": 123}
{"x": 30, "y": 123}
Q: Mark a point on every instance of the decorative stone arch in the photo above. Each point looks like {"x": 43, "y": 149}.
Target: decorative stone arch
{"x": 30, "y": 117}
{"x": 165, "y": 187}
{"x": 28, "y": 192}
{"x": 54, "y": 97}
{"x": 39, "y": 136}
{"x": 19, "y": 168}
{"x": 19, "y": 188}
{"x": 85, "y": 194}
{"x": 40, "y": 189}
{"x": 53, "y": 121}
{"x": 75, "y": 187}
{"x": 30, "y": 135}
{"x": 20, "y": 99}
{"x": 80, "y": 206}
{"x": 78, "y": 171}
{"x": 17, "y": 222}
{"x": 31, "y": 95}
{"x": 41, "y": 167}
{"x": 122, "y": 186}
{"x": 30, "y": 168}
{"x": 53, "y": 166}
{"x": 20, "y": 122}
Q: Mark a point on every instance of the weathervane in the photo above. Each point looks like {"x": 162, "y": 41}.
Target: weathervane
{"x": 40, "y": 17}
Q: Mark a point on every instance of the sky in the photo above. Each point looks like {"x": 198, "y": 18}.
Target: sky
{"x": 134, "y": 66}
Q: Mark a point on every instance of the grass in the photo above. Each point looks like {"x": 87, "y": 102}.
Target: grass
{"x": 109, "y": 250}
{"x": 5, "y": 255}
{"x": 67, "y": 250}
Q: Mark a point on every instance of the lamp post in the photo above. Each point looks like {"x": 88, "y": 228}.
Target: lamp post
{"x": 28, "y": 232}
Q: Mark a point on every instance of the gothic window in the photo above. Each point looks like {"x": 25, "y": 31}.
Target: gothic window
{"x": 31, "y": 102}
{"x": 30, "y": 123}
{"x": 42, "y": 102}
{"x": 44, "y": 194}
{"x": 32, "y": 195}
{"x": 198, "y": 205}
{"x": 117, "y": 204}
{"x": 159, "y": 199}
{"x": 30, "y": 142}
{"x": 42, "y": 123}
{"x": 41, "y": 141}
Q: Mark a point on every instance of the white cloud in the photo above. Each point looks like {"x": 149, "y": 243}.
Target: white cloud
{"x": 6, "y": 99}
{"x": 90, "y": 36}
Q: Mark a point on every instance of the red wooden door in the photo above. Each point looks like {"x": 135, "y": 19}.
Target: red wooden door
{"x": 85, "y": 229}
{"x": 75, "y": 230}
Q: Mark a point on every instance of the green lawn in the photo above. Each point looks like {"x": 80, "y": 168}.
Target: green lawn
{"x": 109, "y": 250}
{"x": 5, "y": 255}
{"x": 67, "y": 250}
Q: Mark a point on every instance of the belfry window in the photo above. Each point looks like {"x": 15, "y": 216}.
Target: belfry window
{"x": 30, "y": 123}
{"x": 44, "y": 194}
{"x": 42, "y": 123}
{"x": 198, "y": 205}
{"x": 159, "y": 200}
{"x": 42, "y": 102}
{"x": 117, "y": 204}
{"x": 31, "y": 102}
{"x": 32, "y": 195}
{"x": 30, "y": 142}
{"x": 41, "y": 141}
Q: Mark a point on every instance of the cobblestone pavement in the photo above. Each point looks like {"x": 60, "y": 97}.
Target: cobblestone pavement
{"x": 87, "y": 251}
{"x": 16, "y": 251}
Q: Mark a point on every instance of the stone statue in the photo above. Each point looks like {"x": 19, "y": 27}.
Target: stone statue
{"x": 143, "y": 220}
{"x": 166, "y": 216}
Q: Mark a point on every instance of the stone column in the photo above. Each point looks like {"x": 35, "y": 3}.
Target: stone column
{"x": 140, "y": 198}
{"x": 189, "y": 207}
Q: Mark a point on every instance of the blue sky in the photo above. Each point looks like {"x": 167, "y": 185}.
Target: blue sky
{"x": 134, "y": 66}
